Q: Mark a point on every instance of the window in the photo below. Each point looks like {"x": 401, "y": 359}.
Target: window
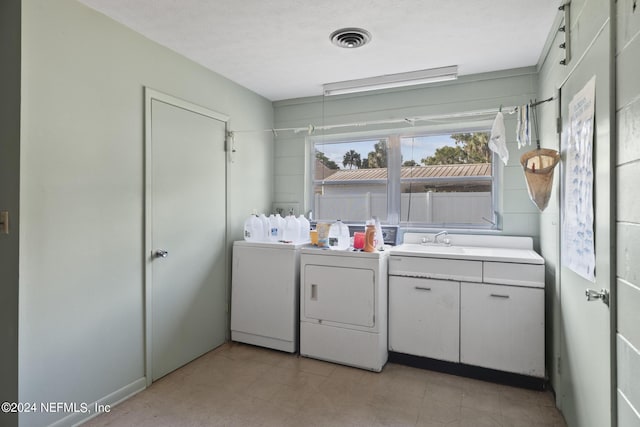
{"x": 447, "y": 180}
{"x": 350, "y": 180}
{"x": 438, "y": 180}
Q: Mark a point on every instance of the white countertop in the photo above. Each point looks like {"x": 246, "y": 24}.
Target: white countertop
{"x": 513, "y": 249}
{"x": 478, "y": 253}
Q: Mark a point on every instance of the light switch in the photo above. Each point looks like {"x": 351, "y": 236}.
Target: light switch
{"x": 4, "y": 222}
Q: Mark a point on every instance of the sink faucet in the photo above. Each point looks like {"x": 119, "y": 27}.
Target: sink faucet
{"x": 442, "y": 233}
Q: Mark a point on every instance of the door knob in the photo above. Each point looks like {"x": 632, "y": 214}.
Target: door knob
{"x": 160, "y": 253}
{"x": 602, "y": 295}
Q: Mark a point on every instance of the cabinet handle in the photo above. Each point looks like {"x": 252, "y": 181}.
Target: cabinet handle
{"x": 499, "y": 296}
{"x": 314, "y": 292}
{"x": 421, "y": 288}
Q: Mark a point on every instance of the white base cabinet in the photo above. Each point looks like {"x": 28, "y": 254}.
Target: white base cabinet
{"x": 502, "y": 328}
{"x": 484, "y": 313}
{"x": 424, "y": 317}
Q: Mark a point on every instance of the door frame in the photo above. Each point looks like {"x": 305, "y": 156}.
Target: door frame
{"x": 151, "y": 95}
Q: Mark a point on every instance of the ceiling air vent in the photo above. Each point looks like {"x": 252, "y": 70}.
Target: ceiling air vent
{"x": 350, "y": 38}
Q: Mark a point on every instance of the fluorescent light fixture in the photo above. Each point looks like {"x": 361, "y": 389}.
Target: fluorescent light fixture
{"x": 389, "y": 81}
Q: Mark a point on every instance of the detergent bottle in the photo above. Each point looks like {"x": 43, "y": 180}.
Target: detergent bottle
{"x": 370, "y": 238}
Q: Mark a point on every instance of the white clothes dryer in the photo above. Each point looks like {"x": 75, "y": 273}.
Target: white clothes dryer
{"x": 343, "y": 307}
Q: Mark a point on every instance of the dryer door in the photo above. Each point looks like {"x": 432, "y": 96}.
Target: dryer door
{"x": 339, "y": 295}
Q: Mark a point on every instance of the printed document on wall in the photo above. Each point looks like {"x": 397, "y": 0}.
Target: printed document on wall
{"x": 578, "y": 252}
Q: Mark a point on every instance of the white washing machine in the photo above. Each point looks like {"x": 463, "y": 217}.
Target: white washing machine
{"x": 343, "y": 307}
{"x": 265, "y": 294}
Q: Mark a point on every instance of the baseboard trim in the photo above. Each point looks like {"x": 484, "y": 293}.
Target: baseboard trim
{"x": 111, "y": 399}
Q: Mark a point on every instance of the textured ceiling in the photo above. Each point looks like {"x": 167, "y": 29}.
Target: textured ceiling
{"x": 281, "y": 48}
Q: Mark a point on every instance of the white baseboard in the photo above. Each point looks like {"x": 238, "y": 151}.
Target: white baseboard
{"x": 111, "y": 400}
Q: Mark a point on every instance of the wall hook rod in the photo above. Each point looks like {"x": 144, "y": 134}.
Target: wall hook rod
{"x": 535, "y": 104}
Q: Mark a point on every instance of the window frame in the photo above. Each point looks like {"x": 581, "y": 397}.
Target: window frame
{"x": 394, "y": 165}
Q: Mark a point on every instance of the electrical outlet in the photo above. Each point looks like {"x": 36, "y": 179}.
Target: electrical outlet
{"x": 283, "y": 208}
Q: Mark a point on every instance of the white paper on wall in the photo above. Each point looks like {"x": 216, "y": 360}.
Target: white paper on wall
{"x": 578, "y": 251}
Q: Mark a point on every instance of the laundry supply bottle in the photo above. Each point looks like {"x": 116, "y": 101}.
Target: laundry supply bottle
{"x": 339, "y": 236}
{"x": 281, "y": 225}
{"x": 379, "y": 236}
{"x": 265, "y": 227}
{"x": 253, "y": 229}
{"x": 291, "y": 229}
{"x": 370, "y": 238}
{"x": 305, "y": 226}
{"x": 275, "y": 228}
{"x": 323, "y": 234}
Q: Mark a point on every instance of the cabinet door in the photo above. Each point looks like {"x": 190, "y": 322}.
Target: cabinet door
{"x": 502, "y": 327}
{"x": 424, "y": 317}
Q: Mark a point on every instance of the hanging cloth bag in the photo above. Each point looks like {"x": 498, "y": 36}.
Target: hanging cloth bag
{"x": 538, "y": 170}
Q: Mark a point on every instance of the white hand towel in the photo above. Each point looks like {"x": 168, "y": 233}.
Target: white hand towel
{"x": 497, "y": 141}
{"x": 527, "y": 125}
{"x": 519, "y": 127}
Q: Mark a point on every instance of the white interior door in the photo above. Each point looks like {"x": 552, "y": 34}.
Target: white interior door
{"x": 186, "y": 215}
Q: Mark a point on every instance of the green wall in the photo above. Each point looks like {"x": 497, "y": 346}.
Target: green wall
{"x": 81, "y": 200}
{"x": 76, "y": 163}
{"x": 628, "y": 212}
{"x": 9, "y": 201}
{"x": 578, "y": 331}
{"x": 468, "y": 93}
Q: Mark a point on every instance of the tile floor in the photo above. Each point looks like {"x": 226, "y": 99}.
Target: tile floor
{"x": 242, "y": 385}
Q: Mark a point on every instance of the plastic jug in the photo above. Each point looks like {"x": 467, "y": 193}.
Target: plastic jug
{"x": 280, "y": 225}
{"x": 305, "y": 226}
{"x": 253, "y": 229}
{"x": 379, "y": 236}
{"x": 276, "y": 227}
{"x": 370, "y": 238}
{"x": 265, "y": 227}
{"x": 291, "y": 229}
{"x": 339, "y": 236}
